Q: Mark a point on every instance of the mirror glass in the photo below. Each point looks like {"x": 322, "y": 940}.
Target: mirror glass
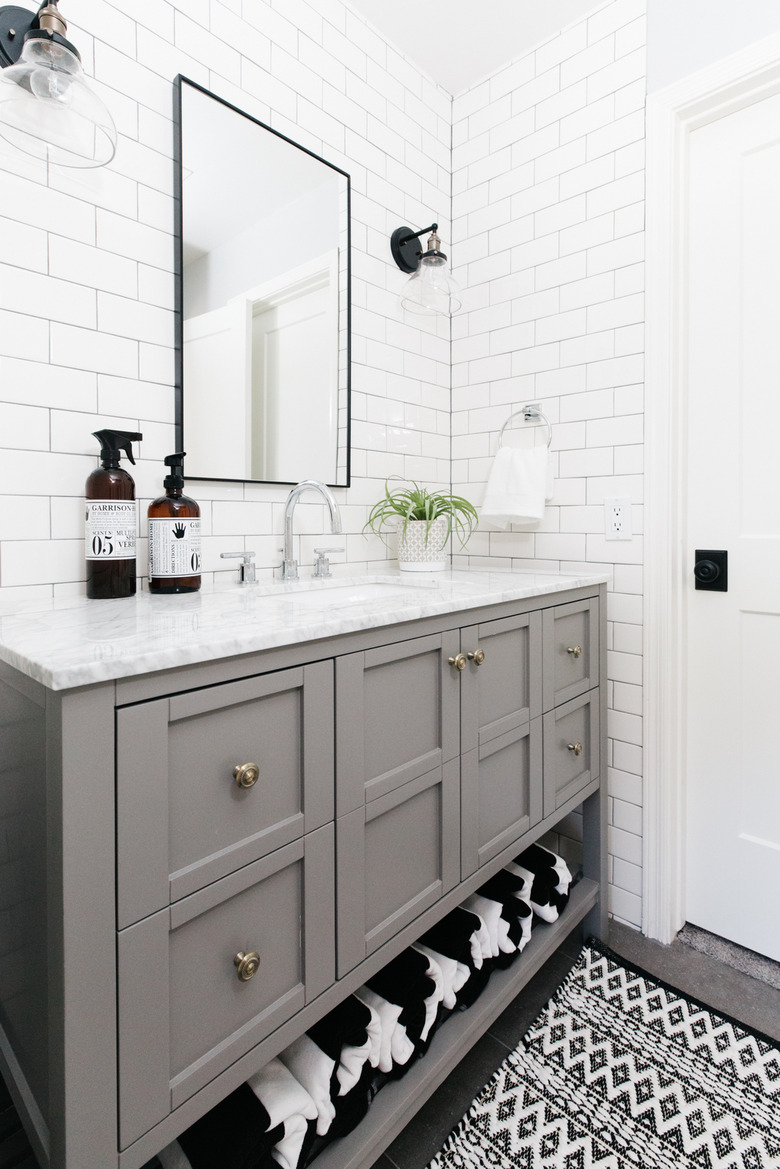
{"x": 263, "y": 257}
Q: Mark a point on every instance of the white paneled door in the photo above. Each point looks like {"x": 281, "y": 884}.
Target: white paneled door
{"x": 732, "y": 321}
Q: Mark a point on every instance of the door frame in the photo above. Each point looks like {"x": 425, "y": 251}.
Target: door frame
{"x": 673, "y": 114}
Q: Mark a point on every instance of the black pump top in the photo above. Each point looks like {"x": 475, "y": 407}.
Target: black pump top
{"x": 176, "y": 463}
{"x": 113, "y": 442}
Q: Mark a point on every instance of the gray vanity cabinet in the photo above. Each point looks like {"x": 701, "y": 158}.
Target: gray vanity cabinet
{"x": 225, "y": 849}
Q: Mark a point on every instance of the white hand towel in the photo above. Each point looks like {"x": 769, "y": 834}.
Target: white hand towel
{"x": 517, "y": 487}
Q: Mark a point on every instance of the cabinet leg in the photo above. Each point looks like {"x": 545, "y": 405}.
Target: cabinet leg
{"x": 595, "y": 866}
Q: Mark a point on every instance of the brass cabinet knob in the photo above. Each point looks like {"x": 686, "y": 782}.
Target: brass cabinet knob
{"x": 246, "y": 965}
{"x": 574, "y": 650}
{"x": 459, "y": 661}
{"x": 477, "y": 657}
{"x": 575, "y": 748}
{"x": 247, "y": 774}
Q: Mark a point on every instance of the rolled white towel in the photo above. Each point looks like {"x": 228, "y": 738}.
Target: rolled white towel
{"x": 455, "y": 974}
{"x": 389, "y": 1014}
{"x": 313, "y": 1069}
{"x": 287, "y": 1102}
{"x": 353, "y": 1058}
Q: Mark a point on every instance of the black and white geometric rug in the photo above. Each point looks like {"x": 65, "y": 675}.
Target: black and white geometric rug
{"x": 621, "y": 1071}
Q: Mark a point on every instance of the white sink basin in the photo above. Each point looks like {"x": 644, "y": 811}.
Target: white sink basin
{"x": 334, "y": 594}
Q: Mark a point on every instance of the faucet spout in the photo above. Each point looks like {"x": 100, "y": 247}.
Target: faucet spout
{"x": 289, "y": 563}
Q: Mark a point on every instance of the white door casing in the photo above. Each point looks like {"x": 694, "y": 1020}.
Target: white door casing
{"x": 674, "y": 116}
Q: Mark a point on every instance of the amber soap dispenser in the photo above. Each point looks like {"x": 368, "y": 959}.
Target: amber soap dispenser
{"x": 174, "y": 535}
{"x": 111, "y": 519}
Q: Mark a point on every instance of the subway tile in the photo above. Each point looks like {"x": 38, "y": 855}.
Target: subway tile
{"x": 24, "y": 337}
{"x": 24, "y": 427}
{"x": 69, "y": 259}
{"x": 34, "y": 562}
{"x": 41, "y": 384}
{"x": 25, "y": 517}
{"x": 87, "y": 349}
{"x": 33, "y": 204}
{"x": 625, "y": 907}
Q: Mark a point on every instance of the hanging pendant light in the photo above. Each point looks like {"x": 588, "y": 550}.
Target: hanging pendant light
{"x": 47, "y": 109}
{"x": 431, "y": 289}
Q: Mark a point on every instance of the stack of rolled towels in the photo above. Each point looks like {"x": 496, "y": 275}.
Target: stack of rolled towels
{"x": 321, "y": 1086}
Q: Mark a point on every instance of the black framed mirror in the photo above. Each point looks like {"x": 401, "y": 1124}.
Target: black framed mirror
{"x": 263, "y": 299}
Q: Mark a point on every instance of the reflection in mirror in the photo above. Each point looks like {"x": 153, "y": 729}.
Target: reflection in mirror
{"x": 264, "y": 300}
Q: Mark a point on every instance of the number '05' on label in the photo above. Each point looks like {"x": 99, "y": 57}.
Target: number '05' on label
{"x": 110, "y": 529}
{"x": 174, "y": 547}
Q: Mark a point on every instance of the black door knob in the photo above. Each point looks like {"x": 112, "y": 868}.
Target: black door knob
{"x": 706, "y": 571}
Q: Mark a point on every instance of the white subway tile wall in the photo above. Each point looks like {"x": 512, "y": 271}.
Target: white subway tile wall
{"x": 548, "y": 199}
{"x": 87, "y": 289}
{"x": 536, "y": 178}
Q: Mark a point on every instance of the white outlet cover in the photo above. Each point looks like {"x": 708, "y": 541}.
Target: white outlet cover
{"x": 617, "y": 518}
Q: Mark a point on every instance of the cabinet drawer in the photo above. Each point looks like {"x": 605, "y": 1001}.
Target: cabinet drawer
{"x": 501, "y": 792}
{"x": 183, "y": 820}
{"x": 184, "y": 1014}
{"x": 396, "y": 857}
{"x": 397, "y": 717}
{"x": 571, "y": 749}
{"x": 571, "y": 651}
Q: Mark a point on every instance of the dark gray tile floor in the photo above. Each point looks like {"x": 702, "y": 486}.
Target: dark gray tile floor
{"x": 721, "y": 987}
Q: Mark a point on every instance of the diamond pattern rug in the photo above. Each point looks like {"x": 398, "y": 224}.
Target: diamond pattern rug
{"x": 621, "y": 1071}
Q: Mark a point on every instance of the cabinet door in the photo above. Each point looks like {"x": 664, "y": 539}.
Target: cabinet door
{"x": 184, "y": 1013}
{"x": 571, "y": 749}
{"x": 183, "y": 820}
{"x": 396, "y": 717}
{"x": 571, "y": 651}
{"x": 397, "y": 855}
{"x": 501, "y": 735}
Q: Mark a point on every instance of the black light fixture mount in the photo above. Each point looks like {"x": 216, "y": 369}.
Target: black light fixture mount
{"x": 405, "y": 246}
{"x": 17, "y": 25}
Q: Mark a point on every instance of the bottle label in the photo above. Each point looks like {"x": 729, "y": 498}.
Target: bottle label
{"x": 174, "y": 547}
{"x": 110, "y": 529}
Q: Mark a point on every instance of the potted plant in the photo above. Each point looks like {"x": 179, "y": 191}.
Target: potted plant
{"x": 423, "y": 520}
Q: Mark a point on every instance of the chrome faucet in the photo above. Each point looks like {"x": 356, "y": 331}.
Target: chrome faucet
{"x": 289, "y": 564}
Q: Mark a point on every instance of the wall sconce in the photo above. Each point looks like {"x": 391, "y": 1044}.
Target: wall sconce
{"x": 431, "y": 289}
{"x": 46, "y": 107}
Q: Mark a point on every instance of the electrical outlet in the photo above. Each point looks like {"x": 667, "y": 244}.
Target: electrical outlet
{"x": 617, "y": 518}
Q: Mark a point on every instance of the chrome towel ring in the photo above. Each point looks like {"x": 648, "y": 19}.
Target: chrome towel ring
{"x": 530, "y": 413}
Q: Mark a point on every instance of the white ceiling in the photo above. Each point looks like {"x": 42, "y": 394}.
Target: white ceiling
{"x": 459, "y": 42}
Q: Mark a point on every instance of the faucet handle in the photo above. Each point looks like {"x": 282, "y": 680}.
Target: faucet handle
{"x": 247, "y": 570}
{"x": 322, "y": 563}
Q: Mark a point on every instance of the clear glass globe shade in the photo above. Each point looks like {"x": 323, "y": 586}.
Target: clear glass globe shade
{"x": 48, "y": 110}
{"x": 432, "y": 290}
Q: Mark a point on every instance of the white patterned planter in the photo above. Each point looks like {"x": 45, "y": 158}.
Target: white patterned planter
{"x": 416, "y": 553}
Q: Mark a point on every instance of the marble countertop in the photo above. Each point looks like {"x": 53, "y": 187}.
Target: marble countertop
{"x": 80, "y": 642}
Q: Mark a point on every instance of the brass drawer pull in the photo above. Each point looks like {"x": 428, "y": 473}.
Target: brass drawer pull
{"x": 574, "y": 650}
{"x": 247, "y": 774}
{"x": 459, "y": 661}
{"x": 246, "y": 965}
{"x": 478, "y": 657}
{"x": 576, "y": 748}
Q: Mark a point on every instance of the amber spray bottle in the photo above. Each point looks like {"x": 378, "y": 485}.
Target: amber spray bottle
{"x": 111, "y": 519}
{"x": 174, "y": 535}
